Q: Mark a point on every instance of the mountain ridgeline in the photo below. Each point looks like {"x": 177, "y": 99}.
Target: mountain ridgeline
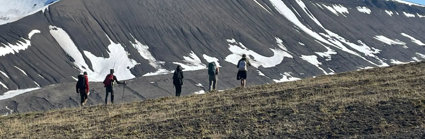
{"x": 144, "y": 40}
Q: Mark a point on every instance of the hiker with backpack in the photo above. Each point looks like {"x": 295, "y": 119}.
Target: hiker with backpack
{"x": 242, "y": 70}
{"x": 213, "y": 71}
{"x": 109, "y": 85}
{"x": 178, "y": 80}
{"x": 82, "y": 88}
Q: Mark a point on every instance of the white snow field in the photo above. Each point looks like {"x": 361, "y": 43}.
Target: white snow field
{"x": 364, "y": 10}
{"x": 147, "y": 55}
{"x": 414, "y": 40}
{"x": 118, "y": 60}
{"x": 21, "y": 45}
{"x": 337, "y": 9}
{"x": 256, "y": 60}
{"x": 210, "y": 59}
{"x": 13, "y": 93}
{"x": 191, "y": 63}
{"x": 13, "y": 10}
{"x": 389, "y": 41}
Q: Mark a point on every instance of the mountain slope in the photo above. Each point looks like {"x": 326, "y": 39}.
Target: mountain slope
{"x": 376, "y": 103}
{"x": 145, "y": 40}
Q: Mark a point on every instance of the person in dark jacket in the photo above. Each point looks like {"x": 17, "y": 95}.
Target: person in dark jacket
{"x": 82, "y": 88}
{"x": 243, "y": 69}
{"x": 109, "y": 85}
{"x": 213, "y": 71}
{"x": 178, "y": 80}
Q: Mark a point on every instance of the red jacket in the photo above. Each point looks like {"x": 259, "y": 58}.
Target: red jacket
{"x": 87, "y": 84}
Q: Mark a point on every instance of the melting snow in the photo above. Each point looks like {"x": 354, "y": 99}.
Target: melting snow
{"x": 19, "y": 46}
{"x": 199, "y": 92}
{"x": 408, "y": 3}
{"x": 4, "y": 74}
{"x": 118, "y": 58}
{"x": 13, "y": 10}
{"x": 389, "y": 41}
{"x": 416, "y": 59}
{"x": 191, "y": 63}
{"x": 420, "y": 16}
{"x": 23, "y": 72}
{"x": 409, "y": 14}
{"x": 287, "y": 77}
{"x": 258, "y": 60}
{"x": 4, "y": 86}
{"x": 199, "y": 85}
{"x": 211, "y": 59}
{"x": 393, "y": 61}
{"x": 146, "y": 54}
{"x": 364, "y": 10}
{"x": 262, "y": 6}
{"x": 13, "y": 93}
{"x": 414, "y": 40}
{"x": 337, "y": 9}
{"x": 421, "y": 55}
{"x": 312, "y": 59}
{"x": 389, "y": 12}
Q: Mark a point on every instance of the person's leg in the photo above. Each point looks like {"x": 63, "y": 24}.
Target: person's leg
{"x": 178, "y": 90}
{"x": 112, "y": 96}
{"x": 210, "y": 81}
{"x": 106, "y": 97}
{"x": 82, "y": 99}
{"x": 214, "y": 83}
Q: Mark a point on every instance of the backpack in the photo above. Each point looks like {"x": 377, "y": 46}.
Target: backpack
{"x": 177, "y": 78}
{"x": 108, "y": 80}
{"x": 81, "y": 83}
{"x": 211, "y": 69}
{"x": 242, "y": 65}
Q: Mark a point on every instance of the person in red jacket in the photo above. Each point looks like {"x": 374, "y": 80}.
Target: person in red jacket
{"x": 109, "y": 85}
{"x": 82, "y": 87}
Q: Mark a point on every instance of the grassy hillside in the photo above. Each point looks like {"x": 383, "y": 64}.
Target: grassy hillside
{"x": 384, "y": 102}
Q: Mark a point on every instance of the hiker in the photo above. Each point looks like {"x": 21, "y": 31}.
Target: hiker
{"x": 109, "y": 83}
{"x": 243, "y": 69}
{"x": 178, "y": 80}
{"x": 82, "y": 88}
{"x": 213, "y": 71}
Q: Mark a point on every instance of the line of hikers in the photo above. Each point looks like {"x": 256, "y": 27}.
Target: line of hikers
{"x": 82, "y": 86}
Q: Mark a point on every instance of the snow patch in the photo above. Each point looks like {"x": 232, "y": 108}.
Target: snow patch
{"x": 262, "y": 6}
{"x": 364, "y": 10}
{"x": 199, "y": 85}
{"x": 421, "y": 55}
{"x": 407, "y": 3}
{"x": 261, "y": 73}
{"x": 199, "y": 92}
{"x": 337, "y": 9}
{"x": 414, "y": 40}
{"x": 22, "y": 71}
{"x": 118, "y": 60}
{"x": 420, "y": 16}
{"x": 191, "y": 63}
{"x": 238, "y": 49}
{"x": 287, "y": 77}
{"x": 36, "y": 84}
{"x": 4, "y": 86}
{"x": 393, "y": 61}
{"x": 312, "y": 59}
{"x": 13, "y": 93}
{"x": 389, "y": 41}
{"x": 4, "y": 74}
{"x": 389, "y": 12}
{"x": 210, "y": 59}
{"x": 416, "y": 59}
{"x": 14, "y": 10}
{"x": 147, "y": 55}
{"x": 21, "y": 45}
{"x": 409, "y": 14}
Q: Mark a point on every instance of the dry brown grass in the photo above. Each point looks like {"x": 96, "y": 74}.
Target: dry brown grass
{"x": 383, "y": 102}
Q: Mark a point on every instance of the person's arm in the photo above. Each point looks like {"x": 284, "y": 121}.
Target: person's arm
{"x": 247, "y": 62}
{"x": 115, "y": 79}
{"x": 237, "y": 65}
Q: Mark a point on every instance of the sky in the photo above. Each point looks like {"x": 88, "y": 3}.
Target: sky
{"x": 417, "y": 1}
